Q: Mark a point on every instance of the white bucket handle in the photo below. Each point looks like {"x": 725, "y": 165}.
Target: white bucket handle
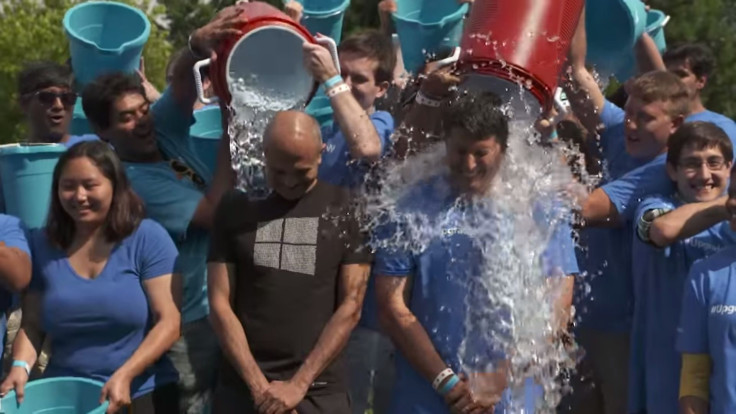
{"x": 330, "y": 44}
{"x": 198, "y": 81}
{"x": 450, "y": 59}
{"x": 666, "y": 20}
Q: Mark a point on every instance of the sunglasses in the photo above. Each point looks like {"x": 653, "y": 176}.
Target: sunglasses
{"x": 183, "y": 170}
{"x": 48, "y": 98}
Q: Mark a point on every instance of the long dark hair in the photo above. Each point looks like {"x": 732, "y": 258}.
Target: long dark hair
{"x": 126, "y": 208}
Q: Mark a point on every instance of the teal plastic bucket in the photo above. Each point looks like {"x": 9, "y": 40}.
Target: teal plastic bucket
{"x": 613, "y": 27}
{"x": 105, "y": 37}
{"x": 320, "y": 109}
{"x": 205, "y": 135}
{"x": 426, "y": 27}
{"x": 63, "y": 395}
{"x": 80, "y": 125}
{"x": 656, "y": 19}
{"x": 324, "y": 16}
{"x": 26, "y": 171}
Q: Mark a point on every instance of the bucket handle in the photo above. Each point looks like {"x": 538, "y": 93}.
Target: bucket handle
{"x": 198, "y": 81}
{"x": 330, "y": 44}
{"x": 450, "y": 59}
{"x": 666, "y": 20}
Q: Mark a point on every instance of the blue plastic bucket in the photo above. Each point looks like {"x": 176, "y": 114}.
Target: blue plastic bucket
{"x": 320, "y": 109}
{"x": 63, "y": 395}
{"x": 26, "y": 171}
{"x": 655, "y": 28}
{"x": 205, "y": 135}
{"x": 105, "y": 37}
{"x": 613, "y": 27}
{"x": 80, "y": 125}
{"x": 426, "y": 27}
{"x": 324, "y": 16}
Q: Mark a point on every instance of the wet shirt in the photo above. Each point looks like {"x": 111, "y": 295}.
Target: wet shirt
{"x": 171, "y": 194}
{"x": 95, "y": 325}
{"x": 288, "y": 255}
{"x": 708, "y": 323}
{"x": 338, "y": 167}
{"x": 445, "y": 284}
{"x": 13, "y": 234}
{"x": 659, "y": 276}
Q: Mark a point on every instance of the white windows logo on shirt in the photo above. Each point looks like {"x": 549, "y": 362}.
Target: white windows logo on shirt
{"x": 287, "y": 244}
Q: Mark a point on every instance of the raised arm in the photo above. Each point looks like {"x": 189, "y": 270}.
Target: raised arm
{"x": 221, "y": 291}
{"x": 285, "y": 396}
{"x": 663, "y": 228}
{"x": 164, "y": 293}
{"x": 355, "y": 123}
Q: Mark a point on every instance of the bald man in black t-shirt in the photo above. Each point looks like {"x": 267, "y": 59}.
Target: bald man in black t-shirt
{"x": 287, "y": 276}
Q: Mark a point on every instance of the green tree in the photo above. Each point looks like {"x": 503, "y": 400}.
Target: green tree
{"x": 713, "y": 23}
{"x": 32, "y": 30}
{"x": 187, "y": 15}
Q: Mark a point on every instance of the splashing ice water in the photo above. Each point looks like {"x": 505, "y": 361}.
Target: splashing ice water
{"x": 250, "y": 112}
{"x": 511, "y": 279}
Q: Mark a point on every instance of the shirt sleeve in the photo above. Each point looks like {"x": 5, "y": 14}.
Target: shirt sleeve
{"x": 612, "y": 136}
{"x": 648, "y": 211}
{"x": 168, "y": 201}
{"x": 157, "y": 252}
{"x": 692, "y": 334}
{"x": 356, "y": 250}
{"x": 170, "y": 120}
{"x": 391, "y": 260}
{"x": 384, "y": 124}
{"x": 14, "y": 234}
{"x": 645, "y": 181}
{"x": 221, "y": 246}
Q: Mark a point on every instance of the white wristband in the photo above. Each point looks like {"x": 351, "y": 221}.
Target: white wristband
{"x": 443, "y": 375}
{"x": 341, "y": 88}
{"x": 422, "y": 99}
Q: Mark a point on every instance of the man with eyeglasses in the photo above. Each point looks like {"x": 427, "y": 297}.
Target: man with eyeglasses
{"x": 673, "y": 231}
{"x": 177, "y": 188}
{"x": 46, "y": 98}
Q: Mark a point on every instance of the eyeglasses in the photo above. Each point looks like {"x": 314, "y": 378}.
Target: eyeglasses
{"x": 183, "y": 170}
{"x": 48, "y": 98}
{"x": 693, "y": 164}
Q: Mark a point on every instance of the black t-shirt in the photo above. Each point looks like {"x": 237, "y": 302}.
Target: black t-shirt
{"x": 287, "y": 256}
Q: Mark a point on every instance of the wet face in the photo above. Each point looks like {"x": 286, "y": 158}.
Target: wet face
{"x": 473, "y": 163}
{"x": 648, "y": 126}
{"x": 291, "y": 174}
{"x": 49, "y": 112}
{"x": 131, "y": 129}
{"x": 84, "y": 192}
{"x": 693, "y": 83}
{"x": 700, "y": 174}
{"x": 359, "y": 74}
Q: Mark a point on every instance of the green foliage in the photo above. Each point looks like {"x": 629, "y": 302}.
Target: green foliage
{"x": 713, "y": 23}
{"x": 32, "y": 30}
{"x": 187, "y": 15}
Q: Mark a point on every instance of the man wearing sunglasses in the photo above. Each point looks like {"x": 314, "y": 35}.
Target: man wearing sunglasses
{"x": 46, "y": 98}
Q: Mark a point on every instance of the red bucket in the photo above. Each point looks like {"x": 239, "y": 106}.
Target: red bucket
{"x": 268, "y": 57}
{"x": 519, "y": 42}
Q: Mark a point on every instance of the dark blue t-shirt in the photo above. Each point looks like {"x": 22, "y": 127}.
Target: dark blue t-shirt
{"x": 659, "y": 276}
{"x": 95, "y": 325}
{"x": 708, "y": 324}
{"x": 444, "y": 286}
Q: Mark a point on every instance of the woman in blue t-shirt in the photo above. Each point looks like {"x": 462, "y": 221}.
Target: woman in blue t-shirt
{"x": 102, "y": 288}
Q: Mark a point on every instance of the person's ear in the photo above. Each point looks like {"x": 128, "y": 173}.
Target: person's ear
{"x": 382, "y": 89}
{"x": 672, "y": 172}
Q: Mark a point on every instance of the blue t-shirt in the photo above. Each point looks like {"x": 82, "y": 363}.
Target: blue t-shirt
{"x": 723, "y": 122}
{"x": 659, "y": 280}
{"x": 708, "y": 323}
{"x": 172, "y": 123}
{"x": 96, "y": 325}
{"x": 171, "y": 199}
{"x": 76, "y": 139}
{"x": 338, "y": 167}
{"x": 13, "y": 234}
{"x": 444, "y": 287}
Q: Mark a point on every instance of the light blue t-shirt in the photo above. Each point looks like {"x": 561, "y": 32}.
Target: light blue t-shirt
{"x": 659, "y": 281}
{"x": 96, "y": 325}
{"x": 443, "y": 287}
{"x": 721, "y": 121}
{"x": 338, "y": 167}
{"x": 708, "y": 323}
{"x": 171, "y": 199}
{"x": 13, "y": 234}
